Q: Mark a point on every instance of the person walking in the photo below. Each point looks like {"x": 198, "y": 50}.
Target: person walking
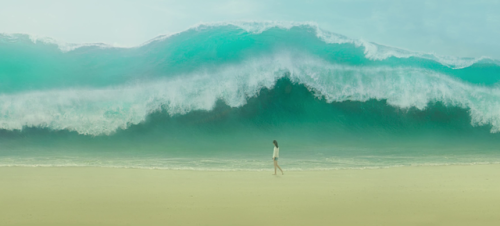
{"x": 276, "y": 154}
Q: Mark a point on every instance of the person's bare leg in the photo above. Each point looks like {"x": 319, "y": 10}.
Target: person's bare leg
{"x": 278, "y": 168}
{"x": 274, "y": 167}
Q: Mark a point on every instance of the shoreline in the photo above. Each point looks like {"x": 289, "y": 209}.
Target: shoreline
{"x": 270, "y": 168}
{"x": 413, "y": 195}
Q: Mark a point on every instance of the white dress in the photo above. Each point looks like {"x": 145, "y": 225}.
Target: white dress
{"x": 276, "y": 152}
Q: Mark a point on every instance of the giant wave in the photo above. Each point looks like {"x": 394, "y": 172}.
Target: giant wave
{"x": 98, "y": 89}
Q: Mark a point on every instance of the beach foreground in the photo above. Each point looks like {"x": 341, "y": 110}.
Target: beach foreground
{"x": 434, "y": 195}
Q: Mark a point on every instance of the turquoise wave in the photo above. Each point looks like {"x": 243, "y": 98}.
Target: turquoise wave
{"x": 219, "y": 90}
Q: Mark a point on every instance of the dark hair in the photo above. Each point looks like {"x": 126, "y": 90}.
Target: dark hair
{"x": 275, "y": 143}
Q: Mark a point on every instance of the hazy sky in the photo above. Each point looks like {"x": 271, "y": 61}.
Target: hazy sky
{"x": 448, "y": 27}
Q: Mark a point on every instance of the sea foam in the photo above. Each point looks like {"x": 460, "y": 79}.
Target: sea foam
{"x": 101, "y": 111}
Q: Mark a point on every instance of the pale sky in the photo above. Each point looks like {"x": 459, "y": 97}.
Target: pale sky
{"x": 445, "y": 27}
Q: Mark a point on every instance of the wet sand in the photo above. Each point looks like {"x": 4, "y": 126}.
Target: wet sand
{"x": 433, "y": 195}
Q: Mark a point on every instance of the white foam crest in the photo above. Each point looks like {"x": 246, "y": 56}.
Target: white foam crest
{"x": 103, "y": 111}
{"x": 373, "y": 51}
{"x": 65, "y": 46}
{"x": 402, "y": 87}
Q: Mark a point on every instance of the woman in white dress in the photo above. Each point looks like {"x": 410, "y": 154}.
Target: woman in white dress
{"x": 276, "y": 154}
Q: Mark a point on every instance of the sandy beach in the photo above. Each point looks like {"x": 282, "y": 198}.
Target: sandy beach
{"x": 439, "y": 195}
